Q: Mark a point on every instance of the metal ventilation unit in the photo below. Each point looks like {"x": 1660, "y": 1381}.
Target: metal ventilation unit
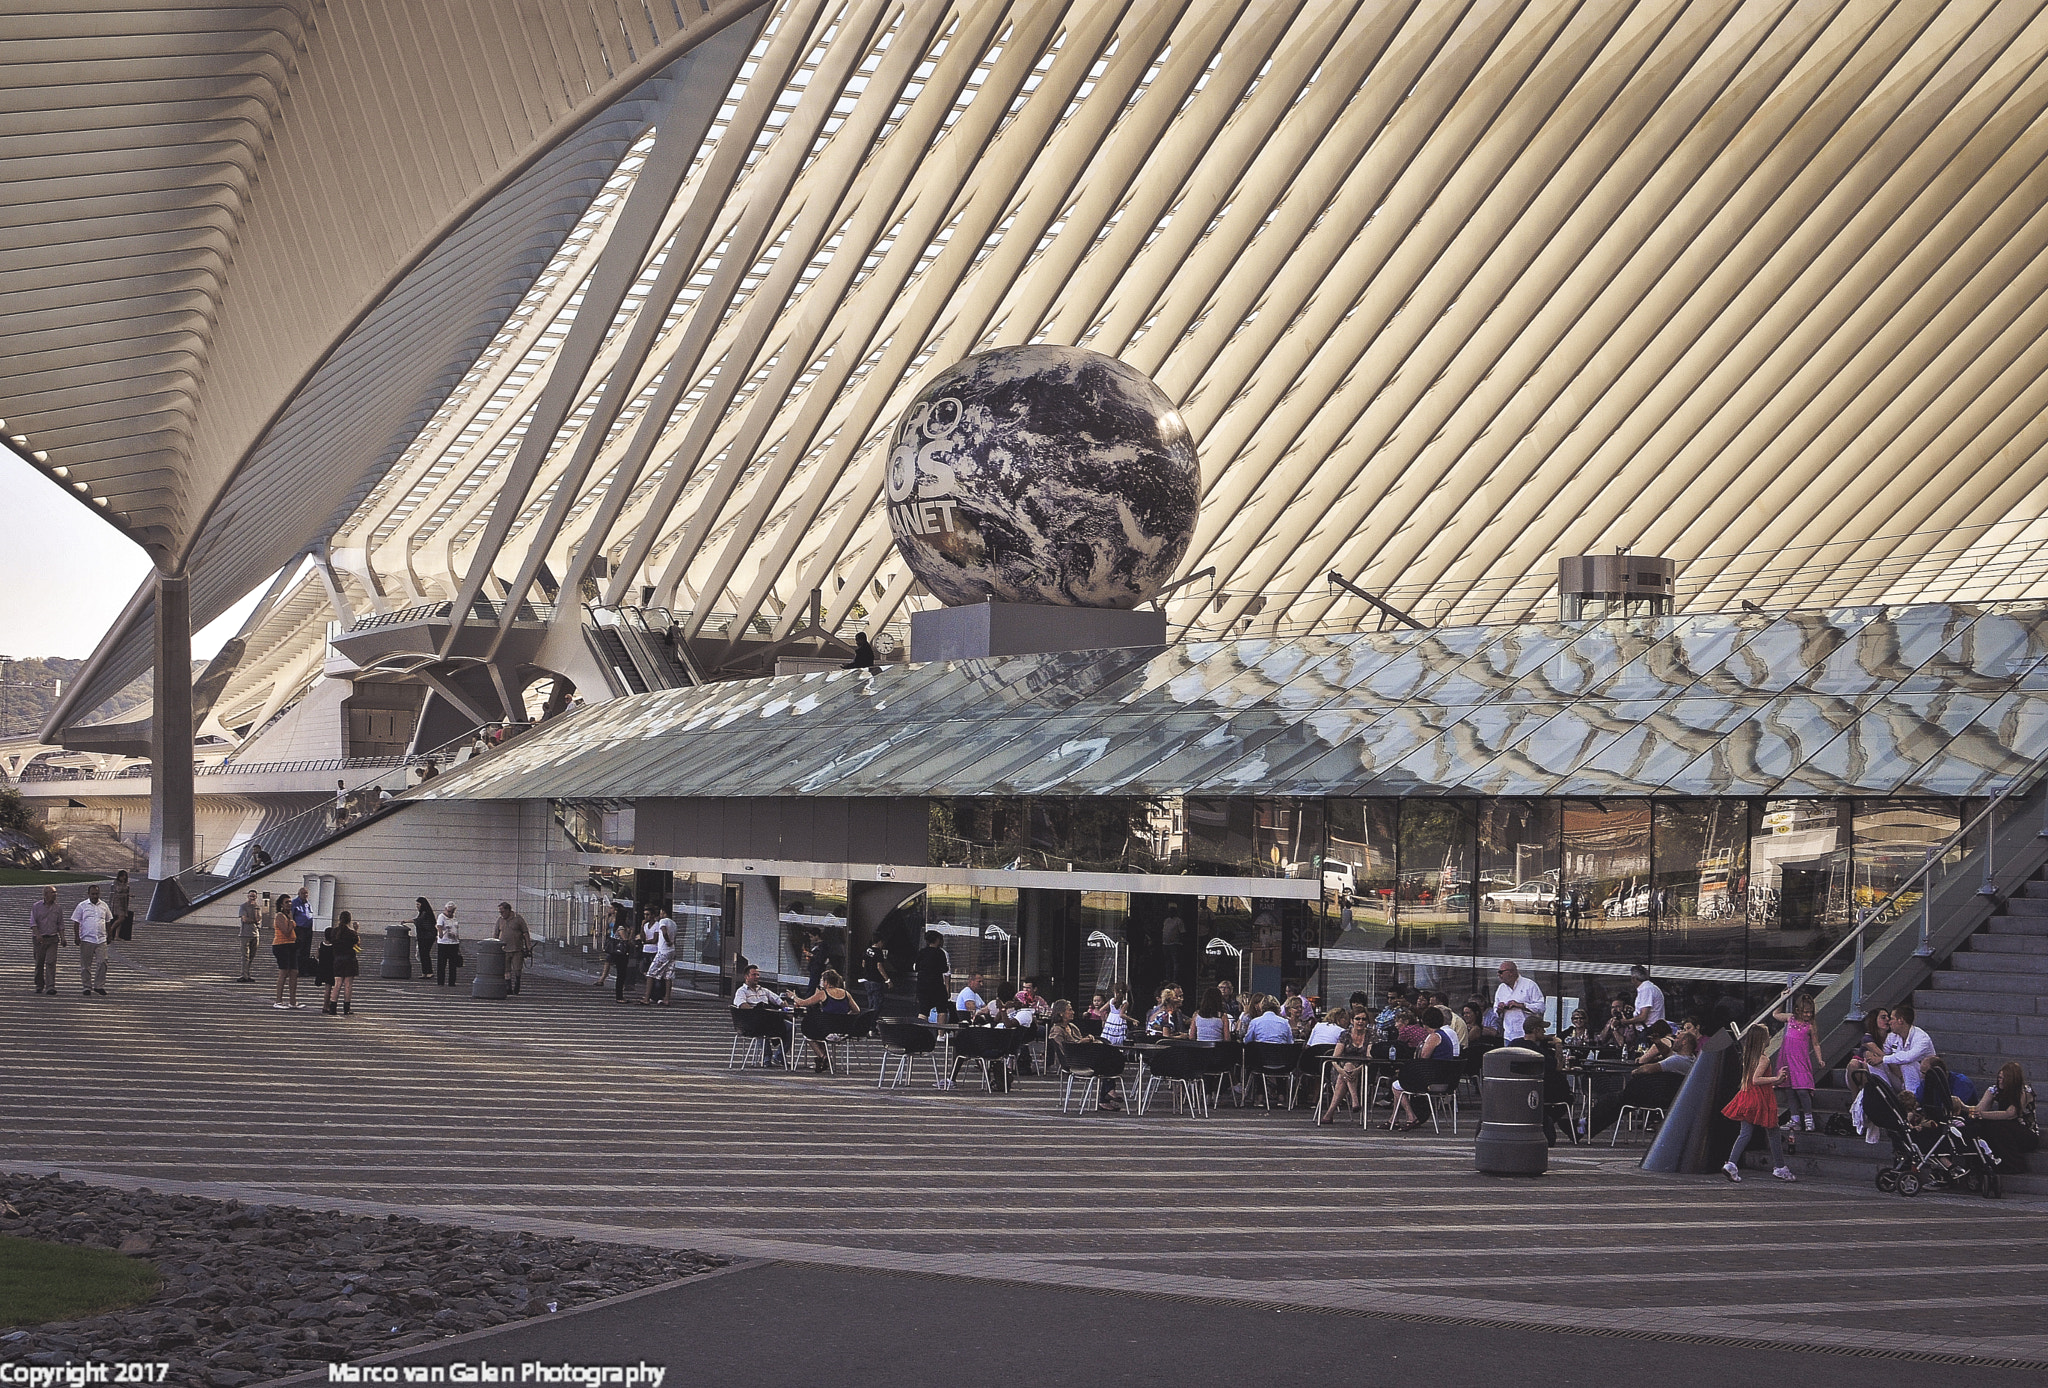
{"x": 1615, "y": 585}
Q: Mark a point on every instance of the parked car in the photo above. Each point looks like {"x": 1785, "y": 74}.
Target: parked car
{"x": 1540, "y": 895}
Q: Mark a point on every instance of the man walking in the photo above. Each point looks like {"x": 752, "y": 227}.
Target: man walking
{"x": 89, "y": 921}
{"x": 512, "y": 931}
{"x": 46, "y": 922}
{"x": 251, "y": 916}
{"x": 121, "y": 902}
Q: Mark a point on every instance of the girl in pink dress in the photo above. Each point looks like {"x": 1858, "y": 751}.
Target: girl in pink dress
{"x": 1800, "y": 1052}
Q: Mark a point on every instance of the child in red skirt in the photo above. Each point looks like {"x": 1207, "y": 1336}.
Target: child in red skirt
{"x": 1756, "y": 1105}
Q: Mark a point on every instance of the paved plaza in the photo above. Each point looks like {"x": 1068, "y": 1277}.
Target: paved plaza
{"x": 561, "y": 1112}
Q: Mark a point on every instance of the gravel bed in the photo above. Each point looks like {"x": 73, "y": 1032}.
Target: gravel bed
{"x": 254, "y": 1292}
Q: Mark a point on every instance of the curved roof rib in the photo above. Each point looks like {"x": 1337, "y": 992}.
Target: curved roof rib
{"x": 1444, "y": 292}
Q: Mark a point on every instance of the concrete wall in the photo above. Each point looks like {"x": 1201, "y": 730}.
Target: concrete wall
{"x": 475, "y": 853}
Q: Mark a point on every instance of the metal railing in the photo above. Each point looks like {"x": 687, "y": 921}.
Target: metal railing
{"x": 483, "y": 609}
{"x": 1913, "y": 892}
{"x": 274, "y": 841}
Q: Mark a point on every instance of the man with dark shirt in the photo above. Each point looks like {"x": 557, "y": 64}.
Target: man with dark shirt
{"x": 874, "y": 974}
{"x": 934, "y": 971}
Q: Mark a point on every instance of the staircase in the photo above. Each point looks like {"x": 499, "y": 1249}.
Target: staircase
{"x": 1988, "y": 1005}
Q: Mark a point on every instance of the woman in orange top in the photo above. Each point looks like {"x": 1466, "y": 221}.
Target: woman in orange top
{"x": 284, "y": 947}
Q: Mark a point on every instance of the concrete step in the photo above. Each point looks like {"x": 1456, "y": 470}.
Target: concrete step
{"x": 2023, "y": 963}
{"x": 1851, "y": 1160}
{"x": 1985, "y": 943}
{"x": 2033, "y": 903}
{"x": 2035, "y": 887}
{"x": 1942, "y": 1022}
{"x": 2022, "y": 986}
{"x": 2035, "y": 926}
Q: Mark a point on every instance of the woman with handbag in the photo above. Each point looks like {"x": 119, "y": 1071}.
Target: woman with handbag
{"x": 625, "y": 949}
{"x": 1755, "y": 1105}
{"x": 423, "y": 934}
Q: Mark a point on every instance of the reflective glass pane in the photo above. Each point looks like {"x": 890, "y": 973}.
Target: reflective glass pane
{"x": 1358, "y": 896}
{"x": 1697, "y": 881}
{"x": 1886, "y": 652}
{"x": 1799, "y": 899}
{"x": 1894, "y": 840}
{"x": 1519, "y": 870}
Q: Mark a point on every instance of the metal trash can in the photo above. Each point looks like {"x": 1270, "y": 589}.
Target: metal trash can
{"x": 490, "y": 970}
{"x": 1511, "y": 1141}
{"x": 397, "y": 953}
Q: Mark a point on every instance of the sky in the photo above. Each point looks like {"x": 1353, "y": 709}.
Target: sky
{"x": 65, "y": 574}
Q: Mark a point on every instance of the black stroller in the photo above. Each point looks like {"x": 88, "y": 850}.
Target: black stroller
{"x": 1935, "y": 1156}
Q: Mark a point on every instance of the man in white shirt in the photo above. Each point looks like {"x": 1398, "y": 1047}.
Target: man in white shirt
{"x": 1515, "y": 1000}
{"x": 750, "y": 993}
{"x": 968, "y": 1000}
{"x": 1649, "y": 999}
{"x": 1905, "y": 1046}
{"x": 89, "y": 922}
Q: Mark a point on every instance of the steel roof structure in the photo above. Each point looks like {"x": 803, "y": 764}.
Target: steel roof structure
{"x": 589, "y": 297}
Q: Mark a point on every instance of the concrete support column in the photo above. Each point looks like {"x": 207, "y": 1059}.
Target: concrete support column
{"x": 170, "y": 736}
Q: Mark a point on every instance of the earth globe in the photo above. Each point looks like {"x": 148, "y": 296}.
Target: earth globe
{"x": 1042, "y": 474}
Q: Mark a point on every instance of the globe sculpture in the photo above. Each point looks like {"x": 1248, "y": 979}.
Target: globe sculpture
{"x": 1051, "y": 475}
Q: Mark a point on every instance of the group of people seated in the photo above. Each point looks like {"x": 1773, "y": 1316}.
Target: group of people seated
{"x": 1930, "y": 1094}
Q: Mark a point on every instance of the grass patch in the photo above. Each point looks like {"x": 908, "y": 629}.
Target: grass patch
{"x": 60, "y": 1281}
{"x": 29, "y": 877}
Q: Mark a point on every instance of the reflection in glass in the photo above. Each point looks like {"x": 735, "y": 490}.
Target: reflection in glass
{"x": 1607, "y": 897}
{"x": 1799, "y": 895}
{"x": 811, "y": 904}
{"x": 1433, "y": 903}
{"x": 1358, "y": 896}
{"x": 1518, "y": 881}
{"x": 1893, "y": 841}
{"x": 1241, "y": 836}
{"x": 1696, "y": 889}
{"x": 978, "y": 927}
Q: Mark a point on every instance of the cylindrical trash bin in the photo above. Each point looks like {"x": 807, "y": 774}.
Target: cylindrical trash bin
{"x": 1511, "y": 1141}
{"x": 490, "y": 970}
{"x": 397, "y": 953}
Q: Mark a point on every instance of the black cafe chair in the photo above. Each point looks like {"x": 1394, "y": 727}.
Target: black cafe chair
{"x": 1101, "y": 1066}
{"x": 1221, "y": 1064}
{"x": 1316, "y": 1061}
{"x": 902, "y": 1043}
{"x": 1433, "y": 1082}
{"x": 754, "y": 1031}
{"x": 992, "y": 1048}
{"x": 1267, "y": 1061}
{"x": 835, "y": 1031}
{"x": 1182, "y": 1069}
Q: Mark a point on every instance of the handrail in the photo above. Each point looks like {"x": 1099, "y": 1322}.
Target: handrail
{"x": 1883, "y": 912}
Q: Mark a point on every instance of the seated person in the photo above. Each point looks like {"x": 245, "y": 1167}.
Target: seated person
{"x": 1061, "y": 1033}
{"x": 1347, "y": 1067}
{"x": 2006, "y": 1119}
{"x": 1210, "y": 1022}
{"x": 1438, "y": 1042}
{"x": 1652, "y": 1084}
{"x": 1332, "y": 1028}
{"x": 1295, "y": 1010}
{"x": 1619, "y": 1035}
{"x": 1269, "y": 1025}
{"x": 968, "y": 1000}
{"x": 750, "y": 993}
{"x": 831, "y": 999}
{"x": 1557, "y": 1090}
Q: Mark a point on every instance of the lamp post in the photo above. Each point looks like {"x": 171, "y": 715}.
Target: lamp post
{"x": 1101, "y": 940}
{"x": 1220, "y": 946}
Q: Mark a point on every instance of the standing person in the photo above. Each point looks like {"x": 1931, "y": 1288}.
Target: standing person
{"x": 423, "y": 934}
{"x": 1755, "y": 1105}
{"x": 661, "y": 965}
{"x": 873, "y": 971}
{"x": 1801, "y": 1053}
{"x": 302, "y": 916}
{"x": 517, "y": 938}
{"x": 121, "y": 902}
{"x": 934, "y": 969}
{"x": 340, "y": 803}
{"x": 250, "y": 916}
{"x": 447, "y": 947}
{"x": 1516, "y": 1000}
{"x": 323, "y": 972}
{"x": 348, "y": 961}
{"x": 89, "y": 922}
{"x": 284, "y": 948}
{"x": 46, "y": 923}
{"x": 627, "y": 952}
{"x": 1649, "y": 1008}
{"x": 649, "y": 946}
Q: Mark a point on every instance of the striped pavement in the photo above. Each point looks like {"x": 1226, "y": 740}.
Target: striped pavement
{"x": 559, "y": 1111}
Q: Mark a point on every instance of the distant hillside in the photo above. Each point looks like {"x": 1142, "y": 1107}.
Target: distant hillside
{"x": 22, "y": 710}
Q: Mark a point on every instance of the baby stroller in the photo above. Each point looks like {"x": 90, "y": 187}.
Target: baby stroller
{"x": 1935, "y": 1157}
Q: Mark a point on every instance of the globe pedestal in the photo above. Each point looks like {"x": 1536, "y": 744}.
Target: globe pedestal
{"x": 982, "y": 629}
